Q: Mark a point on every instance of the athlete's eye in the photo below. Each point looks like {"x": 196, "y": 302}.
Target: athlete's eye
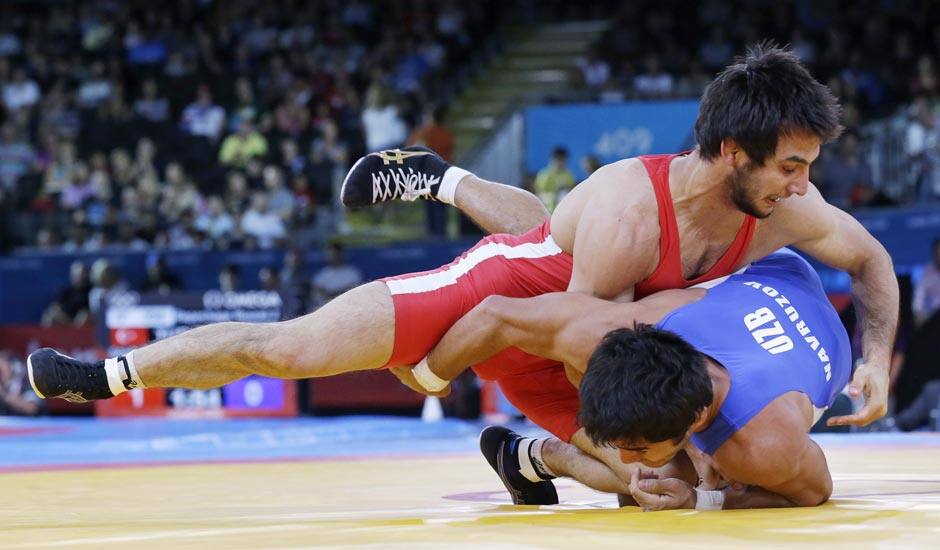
{"x": 789, "y": 171}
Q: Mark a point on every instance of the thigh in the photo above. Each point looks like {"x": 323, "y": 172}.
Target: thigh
{"x": 428, "y": 303}
{"x": 352, "y": 332}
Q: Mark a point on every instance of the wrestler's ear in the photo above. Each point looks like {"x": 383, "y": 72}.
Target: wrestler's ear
{"x": 700, "y": 418}
{"x": 731, "y": 154}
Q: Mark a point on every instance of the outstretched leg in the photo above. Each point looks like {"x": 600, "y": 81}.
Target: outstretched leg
{"x": 353, "y": 332}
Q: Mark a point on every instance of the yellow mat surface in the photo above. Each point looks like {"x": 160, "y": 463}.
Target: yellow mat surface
{"x": 885, "y": 498}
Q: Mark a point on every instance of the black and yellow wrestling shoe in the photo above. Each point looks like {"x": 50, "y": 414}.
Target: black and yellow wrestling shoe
{"x": 500, "y": 446}
{"x": 53, "y": 374}
{"x": 407, "y": 174}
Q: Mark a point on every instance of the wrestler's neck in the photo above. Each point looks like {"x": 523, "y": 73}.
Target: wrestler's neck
{"x": 721, "y": 384}
{"x": 699, "y": 190}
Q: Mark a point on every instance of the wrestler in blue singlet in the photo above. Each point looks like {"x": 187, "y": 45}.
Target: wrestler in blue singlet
{"x": 772, "y": 327}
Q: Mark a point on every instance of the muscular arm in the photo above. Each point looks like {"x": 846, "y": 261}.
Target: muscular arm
{"x": 562, "y": 326}
{"x": 843, "y": 243}
{"x": 778, "y": 461}
{"x": 839, "y": 240}
{"x": 809, "y": 484}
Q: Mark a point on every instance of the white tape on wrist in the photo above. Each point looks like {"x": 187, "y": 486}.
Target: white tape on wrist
{"x": 709, "y": 500}
{"x": 428, "y": 379}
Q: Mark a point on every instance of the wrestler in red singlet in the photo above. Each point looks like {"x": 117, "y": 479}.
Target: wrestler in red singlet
{"x": 427, "y": 304}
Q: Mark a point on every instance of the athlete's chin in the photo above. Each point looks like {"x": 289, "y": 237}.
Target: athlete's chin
{"x": 764, "y": 209}
{"x": 655, "y": 464}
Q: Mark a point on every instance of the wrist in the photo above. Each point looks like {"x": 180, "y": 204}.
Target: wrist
{"x": 709, "y": 500}
{"x": 427, "y": 379}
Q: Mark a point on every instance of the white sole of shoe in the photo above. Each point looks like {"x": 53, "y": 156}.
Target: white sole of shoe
{"x": 32, "y": 381}
{"x": 342, "y": 190}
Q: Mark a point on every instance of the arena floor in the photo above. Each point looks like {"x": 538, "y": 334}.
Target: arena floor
{"x": 398, "y": 483}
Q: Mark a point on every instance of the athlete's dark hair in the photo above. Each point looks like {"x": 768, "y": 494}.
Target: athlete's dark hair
{"x": 765, "y": 94}
{"x": 642, "y": 384}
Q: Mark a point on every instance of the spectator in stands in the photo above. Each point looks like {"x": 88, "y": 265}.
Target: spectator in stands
{"x": 79, "y": 190}
{"x": 216, "y": 221}
{"x": 435, "y": 135}
{"x": 336, "y": 277}
{"x": 280, "y": 198}
{"x": 693, "y": 83}
{"x": 291, "y": 157}
{"x": 381, "y": 121}
{"x": 61, "y": 169}
{"x": 292, "y": 117}
{"x": 22, "y": 92}
{"x": 229, "y": 278}
{"x": 179, "y": 193}
{"x": 62, "y": 87}
{"x": 106, "y": 282}
{"x": 926, "y": 300}
{"x": 150, "y": 105}
{"x": 242, "y": 146}
{"x": 71, "y": 306}
{"x": 159, "y": 279}
{"x": 269, "y": 279}
{"x": 295, "y": 283}
{"x": 595, "y": 70}
{"x": 716, "y": 52}
{"x": 555, "y": 180}
{"x": 924, "y": 412}
{"x": 16, "y": 396}
{"x": 845, "y": 176}
{"x": 17, "y": 157}
{"x": 262, "y": 223}
{"x": 247, "y": 107}
{"x": 411, "y": 69}
{"x": 202, "y": 117}
{"x": 922, "y": 146}
{"x": 95, "y": 88}
{"x": 590, "y": 164}
{"x": 653, "y": 81}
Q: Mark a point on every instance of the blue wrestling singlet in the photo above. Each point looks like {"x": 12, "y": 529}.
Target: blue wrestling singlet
{"x": 772, "y": 327}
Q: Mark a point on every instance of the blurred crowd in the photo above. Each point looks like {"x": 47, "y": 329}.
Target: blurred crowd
{"x": 209, "y": 124}
{"x": 671, "y": 48}
{"x": 877, "y": 65}
{"x": 228, "y": 125}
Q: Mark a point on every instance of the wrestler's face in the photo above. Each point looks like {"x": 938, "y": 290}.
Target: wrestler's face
{"x": 650, "y": 454}
{"x": 757, "y": 189}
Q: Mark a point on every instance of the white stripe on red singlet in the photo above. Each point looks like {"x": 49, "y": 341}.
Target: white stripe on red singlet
{"x": 448, "y": 275}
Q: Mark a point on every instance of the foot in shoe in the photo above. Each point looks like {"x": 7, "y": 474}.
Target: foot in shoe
{"x": 501, "y": 447}
{"x": 408, "y": 174}
{"x": 53, "y": 374}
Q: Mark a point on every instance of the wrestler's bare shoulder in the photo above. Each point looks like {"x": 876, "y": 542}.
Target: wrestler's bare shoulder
{"x": 620, "y": 190}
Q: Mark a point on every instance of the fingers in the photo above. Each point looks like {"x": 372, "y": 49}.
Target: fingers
{"x": 654, "y": 494}
{"x": 648, "y": 474}
{"x": 861, "y": 418}
{"x": 847, "y": 420}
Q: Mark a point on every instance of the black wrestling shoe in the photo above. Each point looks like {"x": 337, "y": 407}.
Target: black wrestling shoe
{"x": 499, "y": 446}
{"x": 55, "y": 375}
{"x": 408, "y": 174}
